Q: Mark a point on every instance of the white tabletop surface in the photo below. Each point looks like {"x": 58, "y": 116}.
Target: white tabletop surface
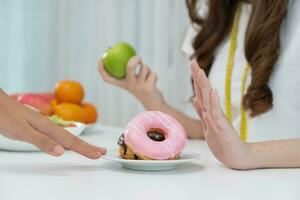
{"x": 30, "y": 176}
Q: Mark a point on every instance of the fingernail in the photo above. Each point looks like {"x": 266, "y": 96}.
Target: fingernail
{"x": 58, "y": 150}
{"x": 102, "y": 151}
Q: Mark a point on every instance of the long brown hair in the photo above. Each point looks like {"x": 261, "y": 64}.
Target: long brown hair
{"x": 262, "y": 43}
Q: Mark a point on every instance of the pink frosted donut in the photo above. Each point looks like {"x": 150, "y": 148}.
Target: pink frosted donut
{"x": 137, "y": 139}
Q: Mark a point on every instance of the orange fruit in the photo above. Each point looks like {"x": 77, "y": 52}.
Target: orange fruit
{"x": 91, "y": 114}
{"x": 69, "y": 91}
{"x": 70, "y": 112}
{"x": 53, "y": 104}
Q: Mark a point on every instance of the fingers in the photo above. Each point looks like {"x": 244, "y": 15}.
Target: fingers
{"x": 203, "y": 81}
{"x": 73, "y": 143}
{"x": 205, "y": 123}
{"x": 197, "y": 89}
{"x": 152, "y": 79}
{"x": 144, "y": 73}
{"x": 43, "y": 142}
{"x": 198, "y": 106}
{"x": 218, "y": 117}
{"x": 204, "y": 84}
{"x": 66, "y": 139}
{"x": 77, "y": 145}
{"x": 132, "y": 64}
{"x": 215, "y": 106}
{"x": 147, "y": 78}
{"x": 201, "y": 85}
{"x": 210, "y": 125}
{"x": 195, "y": 67}
{"x": 213, "y": 113}
{"x": 195, "y": 70}
{"x": 199, "y": 76}
{"x": 206, "y": 100}
{"x": 199, "y": 98}
{"x": 81, "y": 147}
{"x": 107, "y": 78}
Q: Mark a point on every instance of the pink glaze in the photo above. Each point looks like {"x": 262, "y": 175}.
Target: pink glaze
{"x": 137, "y": 139}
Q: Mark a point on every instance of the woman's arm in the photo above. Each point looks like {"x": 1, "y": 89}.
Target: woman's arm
{"x": 143, "y": 87}
{"x": 192, "y": 126}
{"x": 224, "y": 141}
{"x": 277, "y": 154}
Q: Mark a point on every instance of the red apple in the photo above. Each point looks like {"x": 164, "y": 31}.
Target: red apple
{"x": 40, "y": 101}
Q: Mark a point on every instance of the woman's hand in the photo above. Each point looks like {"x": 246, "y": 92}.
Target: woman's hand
{"x": 221, "y": 137}
{"x": 141, "y": 85}
{"x": 18, "y": 122}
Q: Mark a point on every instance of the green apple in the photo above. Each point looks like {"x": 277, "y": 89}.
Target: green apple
{"x": 115, "y": 59}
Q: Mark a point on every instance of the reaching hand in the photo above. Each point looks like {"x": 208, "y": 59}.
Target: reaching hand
{"x": 141, "y": 85}
{"x": 18, "y": 122}
{"x": 221, "y": 137}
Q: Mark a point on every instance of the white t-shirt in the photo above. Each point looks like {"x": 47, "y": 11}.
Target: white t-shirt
{"x": 283, "y": 120}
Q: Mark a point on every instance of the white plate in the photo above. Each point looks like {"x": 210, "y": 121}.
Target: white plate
{"x": 13, "y": 145}
{"x": 150, "y": 165}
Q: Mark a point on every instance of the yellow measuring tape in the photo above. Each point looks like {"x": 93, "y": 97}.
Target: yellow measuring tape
{"x": 230, "y": 65}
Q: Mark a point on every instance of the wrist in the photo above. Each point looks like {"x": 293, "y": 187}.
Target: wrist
{"x": 155, "y": 106}
{"x": 153, "y": 100}
{"x": 256, "y": 153}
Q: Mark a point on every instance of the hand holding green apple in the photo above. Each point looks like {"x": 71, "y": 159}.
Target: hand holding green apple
{"x": 118, "y": 66}
{"x": 115, "y": 59}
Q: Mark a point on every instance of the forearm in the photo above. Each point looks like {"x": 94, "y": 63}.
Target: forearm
{"x": 192, "y": 126}
{"x": 276, "y": 154}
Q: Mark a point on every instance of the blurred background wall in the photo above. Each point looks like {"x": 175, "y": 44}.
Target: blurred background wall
{"x": 44, "y": 41}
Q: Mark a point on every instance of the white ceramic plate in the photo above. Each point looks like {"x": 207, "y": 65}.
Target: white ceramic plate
{"x": 150, "y": 165}
{"x": 13, "y": 145}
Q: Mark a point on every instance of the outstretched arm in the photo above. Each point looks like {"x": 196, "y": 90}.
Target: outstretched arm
{"x": 18, "y": 122}
{"x": 224, "y": 141}
{"x": 143, "y": 87}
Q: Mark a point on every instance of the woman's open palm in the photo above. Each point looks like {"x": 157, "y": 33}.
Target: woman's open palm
{"x": 221, "y": 137}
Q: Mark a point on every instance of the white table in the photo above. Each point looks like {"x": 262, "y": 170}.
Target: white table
{"x": 30, "y": 176}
